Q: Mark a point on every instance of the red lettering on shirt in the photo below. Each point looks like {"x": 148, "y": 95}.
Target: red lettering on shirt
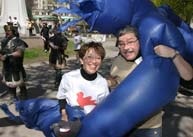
{"x": 85, "y": 101}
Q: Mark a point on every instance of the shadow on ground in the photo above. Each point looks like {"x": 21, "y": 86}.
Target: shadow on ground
{"x": 178, "y": 117}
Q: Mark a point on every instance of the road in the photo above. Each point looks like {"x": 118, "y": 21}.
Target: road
{"x": 177, "y": 120}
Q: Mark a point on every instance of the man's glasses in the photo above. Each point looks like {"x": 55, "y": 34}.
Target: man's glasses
{"x": 123, "y": 44}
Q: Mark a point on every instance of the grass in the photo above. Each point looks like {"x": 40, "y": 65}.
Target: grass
{"x": 33, "y": 55}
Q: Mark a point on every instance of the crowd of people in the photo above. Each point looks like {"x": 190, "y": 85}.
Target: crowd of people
{"x": 82, "y": 89}
{"x": 12, "y": 51}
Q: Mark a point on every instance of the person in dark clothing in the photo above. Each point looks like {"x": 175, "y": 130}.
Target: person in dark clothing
{"x": 12, "y": 55}
{"x": 58, "y": 44}
{"x": 45, "y": 36}
{"x": 30, "y": 27}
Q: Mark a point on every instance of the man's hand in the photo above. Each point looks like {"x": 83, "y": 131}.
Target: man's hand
{"x": 66, "y": 128}
{"x": 164, "y": 51}
{"x": 43, "y": 38}
{"x": 2, "y": 57}
{"x": 112, "y": 81}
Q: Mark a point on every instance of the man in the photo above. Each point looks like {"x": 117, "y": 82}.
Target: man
{"x": 58, "y": 44}
{"x": 77, "y": 40}
{"x": 45, "y": 36}
{"x": 127, "y": 60}
{"x": 16, "y": 25}
{"x": 11, "y": 54}
{"x": 30, "y": 26}
{"x": 9, "y": 21}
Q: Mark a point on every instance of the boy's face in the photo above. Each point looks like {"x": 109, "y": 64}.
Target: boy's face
{"x": 91, "y": 61}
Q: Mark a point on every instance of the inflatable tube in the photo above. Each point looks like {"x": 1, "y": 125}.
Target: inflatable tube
{"x": 40, "y": 114}
{"x": 186, "y": 87}
{"x": 183, "y": 27}
{"x": 120, "y": 112}
{"x": 166, "y": 11}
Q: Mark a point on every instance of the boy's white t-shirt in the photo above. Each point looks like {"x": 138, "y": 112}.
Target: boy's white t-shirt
{"x": 80, "y": 92}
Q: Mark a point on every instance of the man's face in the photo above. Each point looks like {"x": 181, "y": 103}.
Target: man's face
{"x": 129, "y": 46}
{"x": 9, "y": 33}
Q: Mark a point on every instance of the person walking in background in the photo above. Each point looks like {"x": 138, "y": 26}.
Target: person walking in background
{"x": 77, "y": 40}
{"x": 30, "y": 26}
{"x": 16, "y": 25}
{"x": 38, "y": 25}
{"x": 10, "y": 21}
{"x": 12, "y": 54}
{"x": 45, "y": 36}
{"x": 57, "y": 58}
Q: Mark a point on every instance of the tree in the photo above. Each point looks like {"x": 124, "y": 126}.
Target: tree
{"x": 183, "y": 8}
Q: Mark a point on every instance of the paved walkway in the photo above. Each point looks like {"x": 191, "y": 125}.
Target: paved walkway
{"x": 177, "y": 121}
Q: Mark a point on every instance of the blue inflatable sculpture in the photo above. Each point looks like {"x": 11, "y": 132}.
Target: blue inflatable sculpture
{"x": 152, "y": 85}
{"x": 184, "y": 28}
{"x": 39, "y": 114}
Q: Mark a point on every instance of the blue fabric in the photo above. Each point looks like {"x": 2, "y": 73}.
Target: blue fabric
{"x": 61, "y": 1}
{"x": 74, "y": 113}
{"x": 10, "y": 115}
{"x": 166, "y": 11}
{"x": 184, "y": 28}
{"x": 39, "y": 114}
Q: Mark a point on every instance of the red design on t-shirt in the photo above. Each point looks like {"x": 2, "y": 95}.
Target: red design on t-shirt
{"x": 84, "y": 101}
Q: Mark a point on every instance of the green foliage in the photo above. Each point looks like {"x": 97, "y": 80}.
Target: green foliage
{"x": 183, "y": 8}
{"x": 70, "y": 49}
{"x": 33, "y": 53}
